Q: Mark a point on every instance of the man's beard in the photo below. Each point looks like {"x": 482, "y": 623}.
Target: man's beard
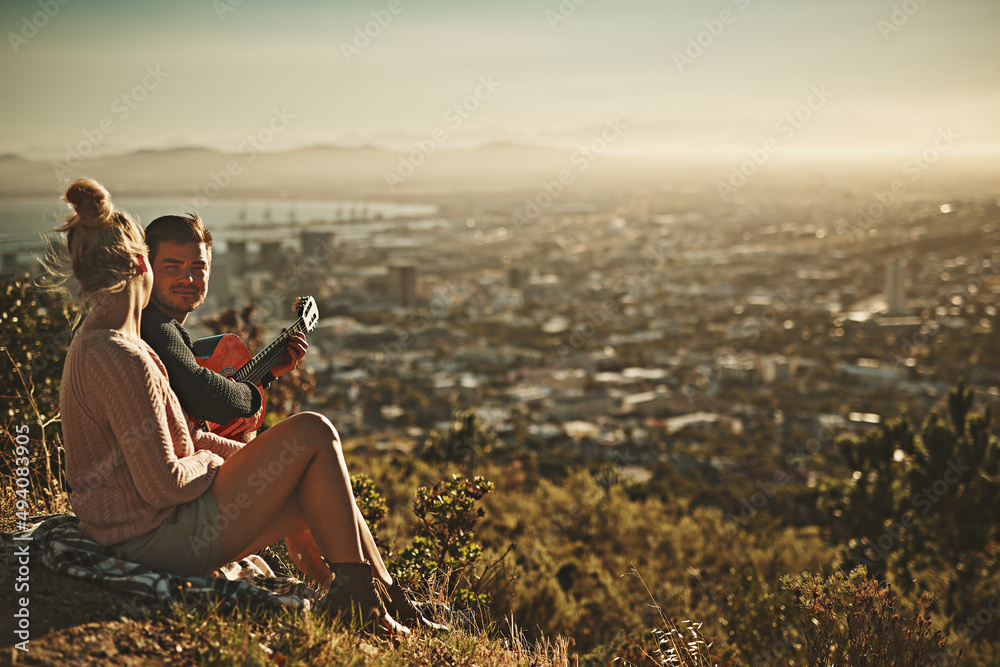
{"x": 173, "y": 302}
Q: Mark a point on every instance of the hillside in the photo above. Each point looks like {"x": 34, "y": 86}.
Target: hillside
{"x": 76, "y": 623}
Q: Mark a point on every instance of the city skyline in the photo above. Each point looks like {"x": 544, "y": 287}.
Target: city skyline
{"x": 690, "y": 78}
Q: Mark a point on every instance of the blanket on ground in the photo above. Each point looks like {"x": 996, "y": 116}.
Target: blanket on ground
{"x": 57, "y": 541}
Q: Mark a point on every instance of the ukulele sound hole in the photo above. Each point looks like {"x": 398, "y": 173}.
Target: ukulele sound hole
{"x": 227, "y": 371}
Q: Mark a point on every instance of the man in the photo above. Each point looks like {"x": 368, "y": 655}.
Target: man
{"x": 180, "y": 251}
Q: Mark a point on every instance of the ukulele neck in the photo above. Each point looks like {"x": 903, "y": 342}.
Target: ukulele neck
{"x": 255, "y": 369}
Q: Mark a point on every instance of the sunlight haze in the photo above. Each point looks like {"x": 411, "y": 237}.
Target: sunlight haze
{"x": 688, "y": 76}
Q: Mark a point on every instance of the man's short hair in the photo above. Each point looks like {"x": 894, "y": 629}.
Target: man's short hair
{"x": 178, "y": 229}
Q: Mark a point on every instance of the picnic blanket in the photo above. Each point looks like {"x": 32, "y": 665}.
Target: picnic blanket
{"x": 57, "y": 541}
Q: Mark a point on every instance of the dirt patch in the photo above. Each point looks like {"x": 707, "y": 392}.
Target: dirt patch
{"x": 75, "y": 622}
{"x": 109, "y": 643}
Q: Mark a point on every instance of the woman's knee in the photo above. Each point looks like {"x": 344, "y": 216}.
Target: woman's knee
{"x": 316, "y": 429}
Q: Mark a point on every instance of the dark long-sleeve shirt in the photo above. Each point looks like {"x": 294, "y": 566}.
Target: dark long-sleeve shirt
{"x": 203, "y": 393}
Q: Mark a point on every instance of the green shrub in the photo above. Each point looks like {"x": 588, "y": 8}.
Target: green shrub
{"x": 465, "y": 443}
{"x": 444, "y": 544}
{"x": 370, "y": 502}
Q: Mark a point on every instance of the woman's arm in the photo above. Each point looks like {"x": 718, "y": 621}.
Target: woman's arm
{"x": 213, "y": 442}
{"x": 135, "y": 394}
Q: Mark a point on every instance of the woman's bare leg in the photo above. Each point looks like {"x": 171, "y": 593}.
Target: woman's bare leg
{"x": 298, "y": 460}
{"x": 306, "y": 556}
{"x": 370, "y": 550}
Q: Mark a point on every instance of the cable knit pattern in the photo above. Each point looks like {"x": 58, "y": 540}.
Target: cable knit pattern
{"x": 130, "y": 458}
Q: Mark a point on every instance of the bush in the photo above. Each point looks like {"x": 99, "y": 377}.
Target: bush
{"x": 36, "y": 327}
{"x": 855, "y": 620}
{"x": 444, "y": 544}
{"x": 913, "y": 509}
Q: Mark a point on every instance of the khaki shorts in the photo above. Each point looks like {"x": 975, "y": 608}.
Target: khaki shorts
{"x": 187, "y": 543}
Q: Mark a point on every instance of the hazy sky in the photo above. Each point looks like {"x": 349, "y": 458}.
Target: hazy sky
{"x": 202, "y": 72}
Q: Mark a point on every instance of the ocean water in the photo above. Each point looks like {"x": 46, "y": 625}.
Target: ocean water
{"x": 24, "y": 221}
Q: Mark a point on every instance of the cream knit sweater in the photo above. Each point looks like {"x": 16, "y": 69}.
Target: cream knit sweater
{"x": 130, "y": 457}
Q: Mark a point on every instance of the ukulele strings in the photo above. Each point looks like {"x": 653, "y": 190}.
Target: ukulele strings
{"x": 255, "y": 369}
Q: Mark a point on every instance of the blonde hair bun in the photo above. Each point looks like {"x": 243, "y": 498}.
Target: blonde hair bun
{"x": 103, "y": 241}
{"x": 91, "y": 201}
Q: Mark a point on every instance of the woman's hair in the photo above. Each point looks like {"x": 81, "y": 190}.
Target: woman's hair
{"x": 177, "y": 229}
{"x": 102, "y": 241}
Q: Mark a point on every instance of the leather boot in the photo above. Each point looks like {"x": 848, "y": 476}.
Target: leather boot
{"x": 399, "y": 604}
{"x": 352, "y": 595}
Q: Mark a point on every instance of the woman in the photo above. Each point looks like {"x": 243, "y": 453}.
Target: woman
{"x": 151, "y": 490}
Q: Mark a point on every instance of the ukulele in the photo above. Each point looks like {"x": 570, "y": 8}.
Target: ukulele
{"x": 228, "y": 355}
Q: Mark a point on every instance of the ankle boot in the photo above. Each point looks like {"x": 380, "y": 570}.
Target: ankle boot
{"x": 353, "y": 596}
{"x": 399, "y": 604}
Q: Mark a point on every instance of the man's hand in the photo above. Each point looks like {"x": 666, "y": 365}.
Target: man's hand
{"x": 293, "y": 354}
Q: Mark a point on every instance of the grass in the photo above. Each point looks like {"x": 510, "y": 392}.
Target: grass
{"x": 676, "y": 643}
{"x": 244, "y": 637}
{"x": 201, "y": 633}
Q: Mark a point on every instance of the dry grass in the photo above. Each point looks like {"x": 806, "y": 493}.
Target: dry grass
{"x": 75, "y": 622}
{"x": 198, "y": 634}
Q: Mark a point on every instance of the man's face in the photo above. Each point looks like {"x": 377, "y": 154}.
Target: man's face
{"x": 180, "y": 278}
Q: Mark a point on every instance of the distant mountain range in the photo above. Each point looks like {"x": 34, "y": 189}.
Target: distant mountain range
{"x": 428, "y": 169}
{"x": 308, "y": 172}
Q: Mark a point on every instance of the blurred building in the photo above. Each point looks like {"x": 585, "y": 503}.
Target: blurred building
{"x": 221, "y": 284}
{"x": 269, "y": 249}
{"x": 895, "y": 287}
{"x": 26, "y": 261}
{"x": 236, "y": 252}
{"x": 401, "y": 287}
{"x": 648, "y": 403}
{"x": 775, "y": 369}
{"x": 314, "y": 241}
{"x": 579, "y": 407}
{"x": 274, "y": 259}
{"x": 516, "y": 277}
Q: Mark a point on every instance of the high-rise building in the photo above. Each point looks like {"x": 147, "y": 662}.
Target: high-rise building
{"x": 237, "y": 255}
{"x": 270, "y": 250}
{"x": 895, "y": 287}
{"x": 9, "y": 263}
{"x": 402, "y": 285}
{"x": 316, "y": 242}
{"x": 220, "y": 295}
{"x": 516, "y": 277}
{"x": 273, "y": 258}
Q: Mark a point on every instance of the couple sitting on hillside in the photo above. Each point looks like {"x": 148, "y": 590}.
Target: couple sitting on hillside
{"x": 146, "y": 485}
